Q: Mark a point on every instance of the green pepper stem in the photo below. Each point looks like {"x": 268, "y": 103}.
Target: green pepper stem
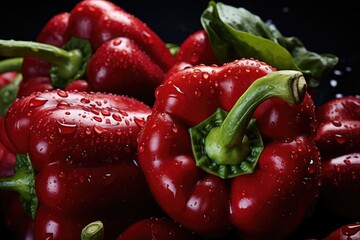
{"x": 68, "y": 63}
{"x": 19, "y": 182}
{"x": 11, "y": 64}
{"x": 23, "y": 182}
{"x": 227, "y": 144}
{"x": 93, "y": 231}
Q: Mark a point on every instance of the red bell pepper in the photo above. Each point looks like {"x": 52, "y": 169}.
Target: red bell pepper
{"x": 212, "y": 168}
{"x": 82, "y": 149}
{"x": 104, "y": 29}
{"x": 196, "y": 49}
{"x": 338, "y": 139}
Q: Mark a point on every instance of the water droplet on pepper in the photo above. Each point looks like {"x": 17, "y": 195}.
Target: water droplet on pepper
{"x": 37, "y": 102}
{"x": 66, "y": 128}
{"x": 62, "y": 93}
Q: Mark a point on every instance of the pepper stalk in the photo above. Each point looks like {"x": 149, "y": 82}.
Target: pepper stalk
{"x": 229, "y": 144}
{"x": 23, "y": 182}
{"x": 68, "y": 63}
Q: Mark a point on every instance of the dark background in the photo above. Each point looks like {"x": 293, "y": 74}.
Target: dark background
{"x": 323, "y": 28}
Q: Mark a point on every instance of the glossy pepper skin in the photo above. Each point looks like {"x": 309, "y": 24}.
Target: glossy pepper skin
{"x": 346, "y": 232}
{"x": 338, "y": 139}
{"x": 139, "y": 57}
{"x": 158, "y": 228}
{"x": 82, "y": 147}
{"x": 194, "y": 50}
{"x": 274, "y": 199}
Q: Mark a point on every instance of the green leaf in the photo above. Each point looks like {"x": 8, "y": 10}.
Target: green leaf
{"x": 8, "y": 94}
{"x": 173, "y": 48}
{"x": 237, "y": 33}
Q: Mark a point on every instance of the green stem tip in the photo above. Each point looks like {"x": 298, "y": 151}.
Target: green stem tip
{"x": 93, "y": 231}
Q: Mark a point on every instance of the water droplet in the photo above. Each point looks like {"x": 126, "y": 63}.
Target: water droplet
{"x": 340, "y": 139}
{"x": 338, "y": 72}
{"x": 88, "y": 131}
{"x": 105, "y": 112}
{"x": 66, "y": 128}
{"x": 336, "y": 123}
{"x": 333, "y": 83}
{"x": 95, "y": 111}
{"x": 117, "y": 42}
{"x": 205, "y": 75}
{"x": 37, "y": 102}
{"x": 99, "y": 130}
{"x": 84, "y": 100}
{"x": 347, "y": 162}
{"x": 139, "y": 121}
{"x": 299, "y": 148}
{"x": 174, "y": 129}
{"x": 98, "y": 119}
{"x": 339, "y": 95}
{"x": 142, "y": 147}
{"x": 63, "y": 105}
{"x": 62, "y": 93}
{"x": 116, "y": 117}
{"x": 124, "y": 113}
{"x": 197, "y": 92}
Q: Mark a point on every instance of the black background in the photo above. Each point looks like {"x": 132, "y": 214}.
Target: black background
{"x": 328, "y": 27}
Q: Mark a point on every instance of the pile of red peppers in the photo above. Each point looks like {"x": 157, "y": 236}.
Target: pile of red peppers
{"x": 106, "y": 132}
